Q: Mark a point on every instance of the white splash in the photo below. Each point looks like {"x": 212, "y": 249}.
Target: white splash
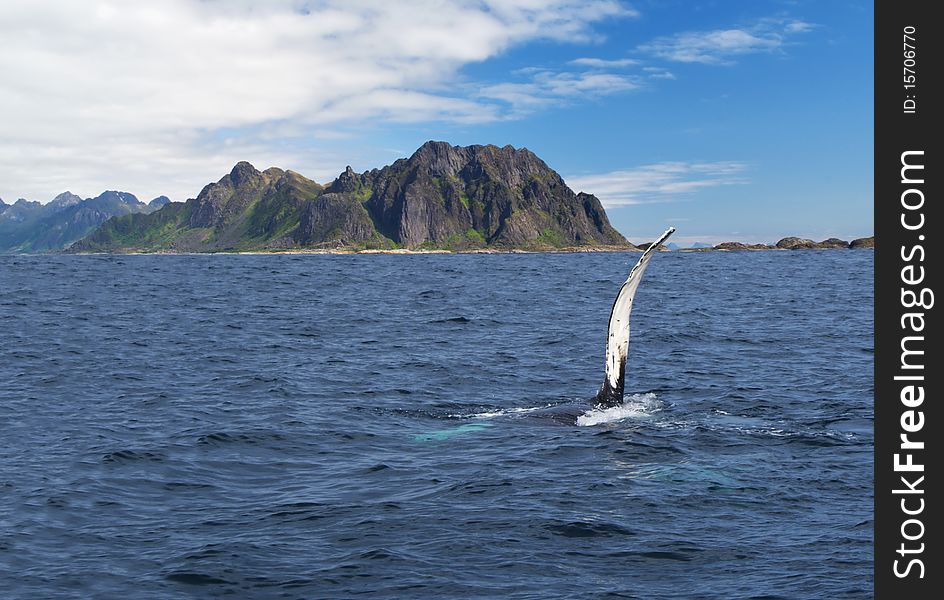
{"x": 635, "y": 406}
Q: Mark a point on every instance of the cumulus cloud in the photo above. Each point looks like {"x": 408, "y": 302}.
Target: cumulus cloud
{"x": 720, "y": 46}
{"x": 660, "y": 182}
{"x": 160, "y": 94}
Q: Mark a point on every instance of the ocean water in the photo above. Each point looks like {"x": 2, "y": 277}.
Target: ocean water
{"x": 376, "y": 427}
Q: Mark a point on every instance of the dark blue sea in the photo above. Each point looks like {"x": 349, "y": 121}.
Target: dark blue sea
{"x": 315, "y": 426}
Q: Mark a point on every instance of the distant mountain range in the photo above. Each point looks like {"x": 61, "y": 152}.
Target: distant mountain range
{"x": 27, "y": 226}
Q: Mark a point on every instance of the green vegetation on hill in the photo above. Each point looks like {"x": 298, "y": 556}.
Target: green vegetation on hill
{"x": 442, "y": 197}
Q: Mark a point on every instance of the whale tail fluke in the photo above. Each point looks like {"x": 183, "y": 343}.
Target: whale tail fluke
{"x": 617, "y": 339}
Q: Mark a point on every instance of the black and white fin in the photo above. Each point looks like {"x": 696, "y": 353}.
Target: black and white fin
{"x": 617, "y": 339}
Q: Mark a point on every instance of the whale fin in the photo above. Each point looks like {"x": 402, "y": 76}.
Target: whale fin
{"x": 617, "y": 339}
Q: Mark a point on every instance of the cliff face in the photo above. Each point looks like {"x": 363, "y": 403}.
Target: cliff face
{"x": 336, "y": 220}
{"x": 485, "y": 194}
{"x": 441, "y": 197}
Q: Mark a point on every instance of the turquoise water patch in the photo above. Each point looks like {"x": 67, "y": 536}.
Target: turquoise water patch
{"x": 445, "y": 434}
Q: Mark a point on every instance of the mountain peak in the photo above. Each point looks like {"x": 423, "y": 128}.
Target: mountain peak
{"x": 64, "y": 200}
{"x": 507, "y": 196}
{"x": 435, "y": 146}
{"x": 115, "y": 196}
{"x": 242, "y": 172}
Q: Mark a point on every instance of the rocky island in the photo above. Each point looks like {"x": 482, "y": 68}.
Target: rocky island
{"x": 443, "y": 197}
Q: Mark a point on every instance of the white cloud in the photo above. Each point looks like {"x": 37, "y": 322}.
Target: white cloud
{"x": 798, "y": 27}
{"x": 602, "y": 63}
{"x": 549, "y": 88}
{"x": 720, "y": 46}
{"x": 658, "y": 73}
{"x": 660, "y": 182}
{"x": 159, "y": 95}
{"x": 709, "y": 46}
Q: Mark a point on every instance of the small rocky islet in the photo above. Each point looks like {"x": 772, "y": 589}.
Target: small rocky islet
{"x": 793, "y": 243}
{"x": 787, "y": 243}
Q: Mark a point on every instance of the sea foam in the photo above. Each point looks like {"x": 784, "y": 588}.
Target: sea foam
{"x": 634, "y": 406}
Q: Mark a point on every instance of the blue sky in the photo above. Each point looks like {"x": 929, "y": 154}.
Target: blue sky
{"x": 732, "y": 120}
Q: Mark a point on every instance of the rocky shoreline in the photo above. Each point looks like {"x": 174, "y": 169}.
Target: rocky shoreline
{"x": 788, "y": 243}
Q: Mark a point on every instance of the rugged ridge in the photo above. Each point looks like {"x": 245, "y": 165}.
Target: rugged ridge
{"x": 246, "y": 208}
{"x": 443, "y": 196}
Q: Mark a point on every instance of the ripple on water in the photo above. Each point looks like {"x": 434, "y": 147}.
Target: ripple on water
{"x": 270, "y": 426}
